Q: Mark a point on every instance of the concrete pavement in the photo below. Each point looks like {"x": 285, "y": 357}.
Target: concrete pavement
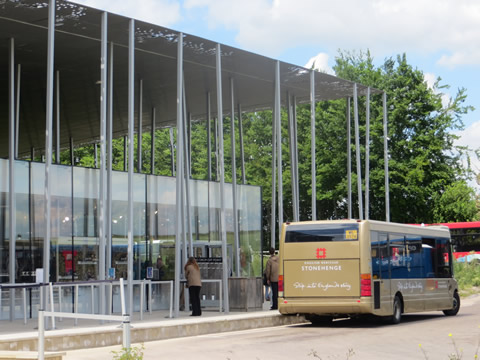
{"x": 99, "y": 340}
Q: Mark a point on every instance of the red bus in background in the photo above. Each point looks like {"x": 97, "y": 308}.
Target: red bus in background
{"x": 465, "y": 237}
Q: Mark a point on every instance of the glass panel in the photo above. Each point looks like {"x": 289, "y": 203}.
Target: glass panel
{"x": 85, "y": 226}
{"x": 4, "y": 242}
{"x": 250, "y": 223}
{"x": 161, "y": 226}
{"x": 24, "y": 249}
{"x": 61, "y": 251}
{"x": 37, "y": 211}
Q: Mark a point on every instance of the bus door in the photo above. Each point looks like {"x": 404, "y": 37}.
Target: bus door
{"x": 382, "y": 299}
{"x": 439, "y": 284}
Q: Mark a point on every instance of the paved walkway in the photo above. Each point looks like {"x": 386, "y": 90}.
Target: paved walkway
{"x": 154, "y": 327}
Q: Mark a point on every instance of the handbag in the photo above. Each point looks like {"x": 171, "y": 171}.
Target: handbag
{"x": 265, "y": 281}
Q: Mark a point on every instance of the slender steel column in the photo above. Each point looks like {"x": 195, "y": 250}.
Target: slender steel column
{"x": 152, "y": 150}
{"x": 57, "y": 123}
{"x": 108, "y": 258}
{"x": 367, "y": 155}
{"x": 385, "y": 156}
{"x": 292, "y": 156}
{"x": 242, "y": 151}
{"x": 95, "y": 156}
{"x": 357, "y": 153}
{"x": 209, "y": 138}
{"x": 186, "y": 178}
{"x": 131, "y": 108}
{"x": 295, "y": 154}
{"x": 313, "y": 140}
{"x": 72, "y": 152}
{"x": 273, "y": 225}
{"x": 172, "y": 150}
{"x": 349, "y": 159}
{"x": 234, "y": 179}
{"x": 140, "y": 127}
{"x": 278, "y": 118}
{"x": 17, "y": 110}
{"x": 125, "y": 153}
{"x": 179, "y": 175}
{"x": 103, "y": 135}
{"x": 12, "y": 219}
{"x": 221, "y": 172}
{"x": 48, "y": 143}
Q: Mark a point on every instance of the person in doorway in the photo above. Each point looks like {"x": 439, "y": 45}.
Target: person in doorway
{"x": 194, "y": 284}
{"x": 272, "y": 277}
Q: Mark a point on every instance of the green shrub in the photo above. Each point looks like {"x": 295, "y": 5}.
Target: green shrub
{"x": 132, "y": 353}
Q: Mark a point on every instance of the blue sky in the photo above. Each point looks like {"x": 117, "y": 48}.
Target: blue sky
{"x": 440, "y": 37}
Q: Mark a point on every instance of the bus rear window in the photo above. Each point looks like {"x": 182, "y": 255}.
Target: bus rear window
{"x": 321, "y": 232}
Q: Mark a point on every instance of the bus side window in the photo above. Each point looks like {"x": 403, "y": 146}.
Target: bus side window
{"x": 443, "y": 267}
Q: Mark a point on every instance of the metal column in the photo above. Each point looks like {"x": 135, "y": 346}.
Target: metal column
{"x": 48, "y": 143}
{"x": 273, "y": 227}
{"x": 295, "y": 153}
{"x": 140, "y": 127}
{"x": 108, "y": 259}
{"x": 17, "y": 110}
{"x": 57, "y": 123}
{"x": 278, "y": 120}
{"x": 291, "y": 148}
{"x": 242, "y": 151}
{"x": 103, "y": 135}
{"x": 179, "y": 175}
{"x": 349, "y": 160}
{"x": 385, "y": 156}
{"x": 11, "y": 176}
{"x": 172, "y": 150}
{"x": 223, "y": 230}
{"x": 234, "y": 180}
{"x": 357, "y": 153}
{"x": 209, "y": 140}
{"x": 367, "y": 155}
{"x": 152, "y": 150}
{"x": 131, "y": 100}
{"x": 313, "y": 150}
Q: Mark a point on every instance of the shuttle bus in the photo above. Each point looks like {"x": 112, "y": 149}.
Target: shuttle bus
{"x": 348, "y": 268}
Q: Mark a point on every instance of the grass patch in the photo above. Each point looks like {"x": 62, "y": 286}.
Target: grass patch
{"x": 468, "y": 277}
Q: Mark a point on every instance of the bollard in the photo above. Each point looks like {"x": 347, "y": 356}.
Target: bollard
{"x": 126, "y": 331}
{"x": 41, "y": 335}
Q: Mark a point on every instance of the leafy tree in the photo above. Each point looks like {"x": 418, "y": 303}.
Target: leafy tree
{"x": 456, "y": 203}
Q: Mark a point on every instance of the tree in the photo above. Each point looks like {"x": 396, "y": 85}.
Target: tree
{"x": 456, "y": 203}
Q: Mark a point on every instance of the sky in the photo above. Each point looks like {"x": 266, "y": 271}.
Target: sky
{"x": 439, "y": 37}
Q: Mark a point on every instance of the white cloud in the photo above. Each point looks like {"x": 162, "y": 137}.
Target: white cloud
{"x": 320, "y": 63}
{"x": 161, "y": 12}
{"x": 449, "y": 27}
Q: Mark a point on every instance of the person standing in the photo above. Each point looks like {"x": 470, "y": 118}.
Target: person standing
{"x": 272, "y": 277}
{"x": 194, "y": 284}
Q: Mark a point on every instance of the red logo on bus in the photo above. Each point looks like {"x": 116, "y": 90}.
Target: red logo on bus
{"x": 321, "y": 253}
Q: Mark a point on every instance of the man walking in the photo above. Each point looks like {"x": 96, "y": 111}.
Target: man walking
{"x": 272, "y": 277}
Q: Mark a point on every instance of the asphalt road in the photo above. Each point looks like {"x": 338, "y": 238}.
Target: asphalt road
{"x": 418, "y": 336}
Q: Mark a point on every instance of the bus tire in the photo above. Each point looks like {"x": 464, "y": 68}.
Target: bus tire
{"x": 397, "y": 310}
{"x": 456, "y": 306}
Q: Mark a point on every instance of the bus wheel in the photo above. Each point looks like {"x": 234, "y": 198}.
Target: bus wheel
{"x": 319, "y": 320}
{"x": 397, "y": 310}
{"x": 456, "y": 306}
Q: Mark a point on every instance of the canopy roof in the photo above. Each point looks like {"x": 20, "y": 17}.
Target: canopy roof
{"x": 77, "y": 61}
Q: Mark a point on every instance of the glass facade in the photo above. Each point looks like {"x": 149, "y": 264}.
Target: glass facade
{"x": 75, "y": 248}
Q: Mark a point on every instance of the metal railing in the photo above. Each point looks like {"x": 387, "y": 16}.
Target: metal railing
{"x": 51, "y": 287}
{"x": 124, "y": 318}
